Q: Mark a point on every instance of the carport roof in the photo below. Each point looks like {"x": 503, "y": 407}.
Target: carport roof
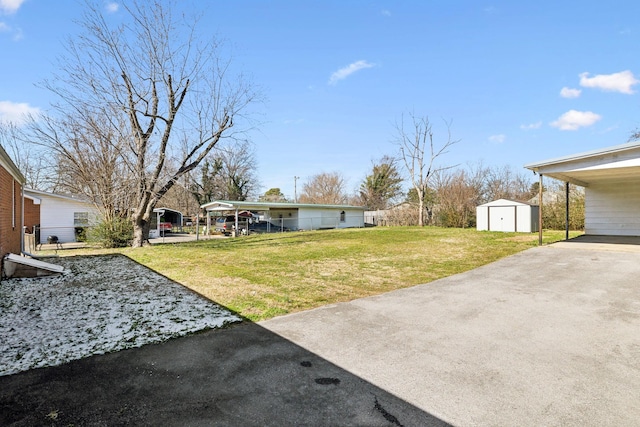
{"x": 229, "y": 205}
{"x": 617, "y": 163}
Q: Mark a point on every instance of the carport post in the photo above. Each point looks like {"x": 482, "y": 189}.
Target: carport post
{"x": 540, "y": 211}
{"x": 566, "y": 192}
{"x": 236, "y": 231}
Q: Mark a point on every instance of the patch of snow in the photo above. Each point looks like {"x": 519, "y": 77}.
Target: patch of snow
{"x": 100, "y": 304}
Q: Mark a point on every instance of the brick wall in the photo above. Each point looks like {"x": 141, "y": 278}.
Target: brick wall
{"x": 10, "y": 214}
{"x": 31, "y": 214}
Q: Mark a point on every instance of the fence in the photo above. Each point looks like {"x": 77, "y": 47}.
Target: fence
{"x": 278, "y": 225}
{"x": 44, "y": 235}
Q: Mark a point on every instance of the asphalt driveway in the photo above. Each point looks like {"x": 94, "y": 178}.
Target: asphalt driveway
{"x": 546, "y": 337}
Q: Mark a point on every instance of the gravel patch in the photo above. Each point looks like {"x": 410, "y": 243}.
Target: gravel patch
{"x": 100, "y": 304}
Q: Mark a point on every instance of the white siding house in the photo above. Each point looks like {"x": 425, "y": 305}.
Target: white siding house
{"x": 611, "y": 179}
{"x": 601, "y": 219}
{"x": 295, "y": 216}
{"x": 62, "y": 216}
{"x": 507, "y": 215}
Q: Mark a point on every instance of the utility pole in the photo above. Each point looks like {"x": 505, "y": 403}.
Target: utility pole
{"x": 295, "y": 188}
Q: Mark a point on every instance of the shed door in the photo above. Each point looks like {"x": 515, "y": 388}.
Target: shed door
{"x": 502, "y": 218}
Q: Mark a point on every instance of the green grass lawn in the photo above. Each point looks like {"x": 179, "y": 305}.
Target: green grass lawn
{"x": 263, "y": 276}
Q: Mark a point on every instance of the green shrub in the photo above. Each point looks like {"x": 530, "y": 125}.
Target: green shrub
{"x": 112, "y": 233}
{"x": 554, "y": 212}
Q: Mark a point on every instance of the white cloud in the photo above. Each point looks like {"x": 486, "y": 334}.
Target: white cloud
{"x": 573, "y": 120}
{"x": 386, "y": 12}
{"x": 112, "y": 7}
{"x": 531, "y": 126}
{"x": 16, "y": 33}
{"x": 498, "y": 139}
{"x": 10, "y": 6}
{"x": 345, "y": 72}
{"x": 16, "y": 112}
{"x": 566, "y": 92}
{"x": 617, "y": 82}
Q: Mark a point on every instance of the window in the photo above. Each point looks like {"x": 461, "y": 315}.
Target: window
{"x": 343, "y": 216}
{"x": 80, "y": 219}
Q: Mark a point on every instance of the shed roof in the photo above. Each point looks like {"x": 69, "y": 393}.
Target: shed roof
{"x": 616, "y": 163}
{"x": 161, "y": 210}
{"x": 227, "y": 205}
{"x": 505, "y": 202}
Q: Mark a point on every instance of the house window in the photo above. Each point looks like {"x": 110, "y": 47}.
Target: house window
{"x": 343, "y": 216}
{"x": 80, "y": 219}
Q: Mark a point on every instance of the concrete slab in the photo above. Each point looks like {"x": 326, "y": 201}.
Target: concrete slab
{"x": 605, "y": 243}
{"x": 240, "y": 376}
{"x": 545, "y": 337}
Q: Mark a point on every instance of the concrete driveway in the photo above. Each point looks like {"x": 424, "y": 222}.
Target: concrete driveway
{"x": 549, "y": 336}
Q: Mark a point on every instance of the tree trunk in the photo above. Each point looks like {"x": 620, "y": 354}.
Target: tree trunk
{"x": 140, "y": 231}
{"x": 420, "y": 208}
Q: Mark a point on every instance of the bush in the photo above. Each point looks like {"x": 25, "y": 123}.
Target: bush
{"x": 554, "y": 211}
{"x": 113, "y": 233}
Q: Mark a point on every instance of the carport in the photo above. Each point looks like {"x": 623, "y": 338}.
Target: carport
{"x": 292, "y": 216}
{"x": 611, "y": 179}
{"x": 164, "y": 215}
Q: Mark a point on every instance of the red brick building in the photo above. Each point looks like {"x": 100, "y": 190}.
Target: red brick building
{"x": 11, "y": 212}
{"x": 31, "y": 213}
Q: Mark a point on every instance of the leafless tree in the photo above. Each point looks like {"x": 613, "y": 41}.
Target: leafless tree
{"x": 324, "y": 188}
{"x": 228, "y": 173}
{"x": 456, "y": 198}
{"x": 150, "y": 83}
{"x": 501, "y": 182}
{"x": 419, "y": 154}
{"x": 238, "y": 174}
{"x": 87, "y": 155}
{"x": 28, "y": 159}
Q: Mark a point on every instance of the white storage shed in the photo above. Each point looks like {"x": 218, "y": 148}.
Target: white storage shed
{"x": 507, "y": 215}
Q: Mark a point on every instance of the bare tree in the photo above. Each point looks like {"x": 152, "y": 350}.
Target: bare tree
{"x": 457, "y": 197}
{"x": 87, "y": 156}
{"x": 238, "y": 173}
{"x": 324, "y": 188}
{"x": 28, "y": 159}
{"x": 419, "y": 154}
{"x": 501, "y": 182}
{"x": 150, "y": 83}
{"x": 228, "y": 173}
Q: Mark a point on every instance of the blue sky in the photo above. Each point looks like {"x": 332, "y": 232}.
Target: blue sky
{"x": 519, "y": 81}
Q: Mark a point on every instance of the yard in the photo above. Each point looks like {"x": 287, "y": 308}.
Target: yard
{"x": 262, "y": 276}
{"x": 109, "y": 302}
